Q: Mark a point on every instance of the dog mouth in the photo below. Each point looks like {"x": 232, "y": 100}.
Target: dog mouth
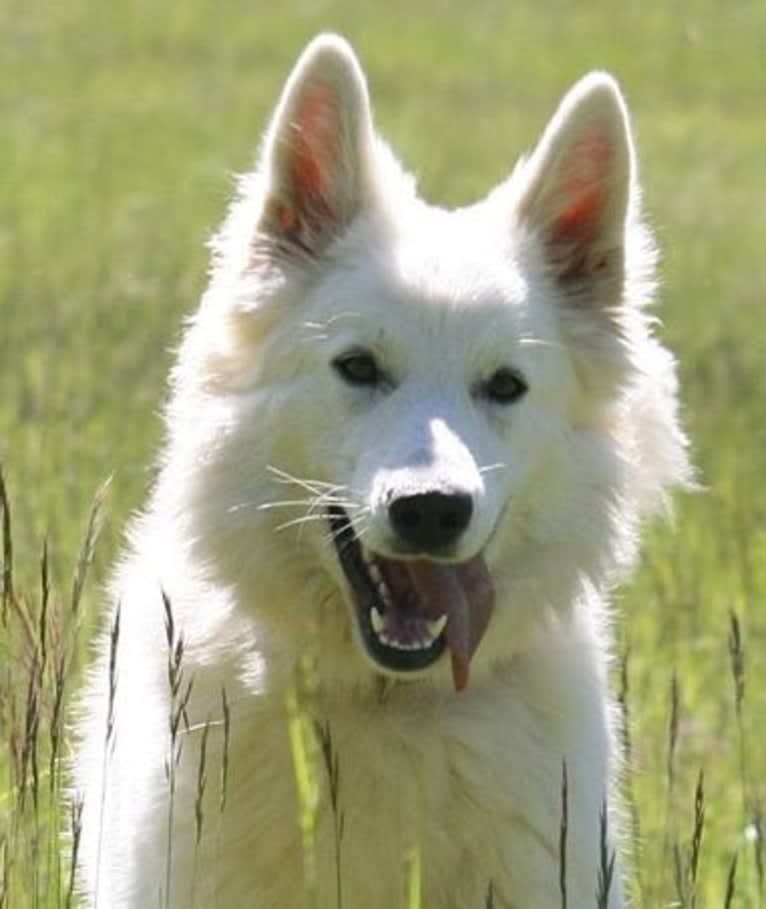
{"x": 410, "y": 611}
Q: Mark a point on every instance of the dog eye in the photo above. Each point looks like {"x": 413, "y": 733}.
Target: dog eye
{"x": 504, "y": 386}
{"x": 358, "y": 367}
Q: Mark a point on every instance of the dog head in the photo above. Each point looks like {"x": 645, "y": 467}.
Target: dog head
{"x": 436, "y": 427}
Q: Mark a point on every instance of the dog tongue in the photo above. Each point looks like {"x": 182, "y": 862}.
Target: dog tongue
{"x": 464, "y": 593}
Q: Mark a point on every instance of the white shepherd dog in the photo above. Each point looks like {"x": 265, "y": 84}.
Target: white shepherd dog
{"x": 408, "y": 451}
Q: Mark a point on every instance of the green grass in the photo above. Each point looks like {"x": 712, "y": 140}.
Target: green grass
{"x": 121, "y": 126}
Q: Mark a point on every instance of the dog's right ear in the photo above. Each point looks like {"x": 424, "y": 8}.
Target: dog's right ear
{"x": 317, "y": 154}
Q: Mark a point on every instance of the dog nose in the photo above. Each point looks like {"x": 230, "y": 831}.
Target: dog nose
{"x": 431, "y": 520}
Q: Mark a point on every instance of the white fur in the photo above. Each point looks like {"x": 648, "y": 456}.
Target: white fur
{"x": 326, "y": 248}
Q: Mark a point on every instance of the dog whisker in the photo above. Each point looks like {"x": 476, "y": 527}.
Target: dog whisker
{"x": 360, "y": 530}
{"x": 328, "y": 323}
{"x": 303, "y": 519}
{"x": 541, "y": 342}
{"x": 310, "y": 485}
{"x": 311, "y": 503}
{"x": 500, "y": 465}
{"x": 322, "y": 331}
{"x": 316, "y": 505}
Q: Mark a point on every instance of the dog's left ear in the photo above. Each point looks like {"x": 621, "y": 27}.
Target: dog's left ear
{"x": 317, "y": 153}
{"x": 577, "y": 190}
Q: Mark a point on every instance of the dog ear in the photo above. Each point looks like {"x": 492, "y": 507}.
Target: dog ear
{"x": 577, "y": 189}
{"x": 317, "y": 153}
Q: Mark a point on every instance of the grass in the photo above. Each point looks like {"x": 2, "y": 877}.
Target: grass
{"x": 121, "y": 125}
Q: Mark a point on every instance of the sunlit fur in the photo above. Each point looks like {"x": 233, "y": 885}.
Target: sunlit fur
{"x": 327, "y": 247}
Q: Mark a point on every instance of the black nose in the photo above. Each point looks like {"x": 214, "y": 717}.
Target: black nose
{"x": 431, "y": 520}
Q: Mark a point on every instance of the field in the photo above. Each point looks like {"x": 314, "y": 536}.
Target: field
{"x": 122, "y": 124}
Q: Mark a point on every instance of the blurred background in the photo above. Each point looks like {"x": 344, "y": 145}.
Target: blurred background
{"x": 122, "y": 125}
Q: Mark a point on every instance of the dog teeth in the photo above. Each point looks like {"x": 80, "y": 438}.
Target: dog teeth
{"x": 378, "y": 625}
{"x": 399, "y": 645}
{"x": 429, "y": 632}
{"x": 376, "y": 576}
{"x": 432, "y": 631}
{"x": 436, "y": 627}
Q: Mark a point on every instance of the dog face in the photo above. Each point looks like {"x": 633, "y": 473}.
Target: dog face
{"x": 421, "y": 414}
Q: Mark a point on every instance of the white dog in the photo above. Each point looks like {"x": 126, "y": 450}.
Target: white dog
{"x": 408, "y": 451}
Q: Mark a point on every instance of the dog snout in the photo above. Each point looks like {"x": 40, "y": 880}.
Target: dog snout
{"x": 430, "y": 521}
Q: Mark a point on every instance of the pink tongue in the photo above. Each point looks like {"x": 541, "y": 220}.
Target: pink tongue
{"x": 462, "y": 592}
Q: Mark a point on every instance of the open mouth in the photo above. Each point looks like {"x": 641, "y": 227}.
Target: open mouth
{"x": 410, "y": 611}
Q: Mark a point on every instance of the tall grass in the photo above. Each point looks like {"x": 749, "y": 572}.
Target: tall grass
{"x": 40, "y": 646}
